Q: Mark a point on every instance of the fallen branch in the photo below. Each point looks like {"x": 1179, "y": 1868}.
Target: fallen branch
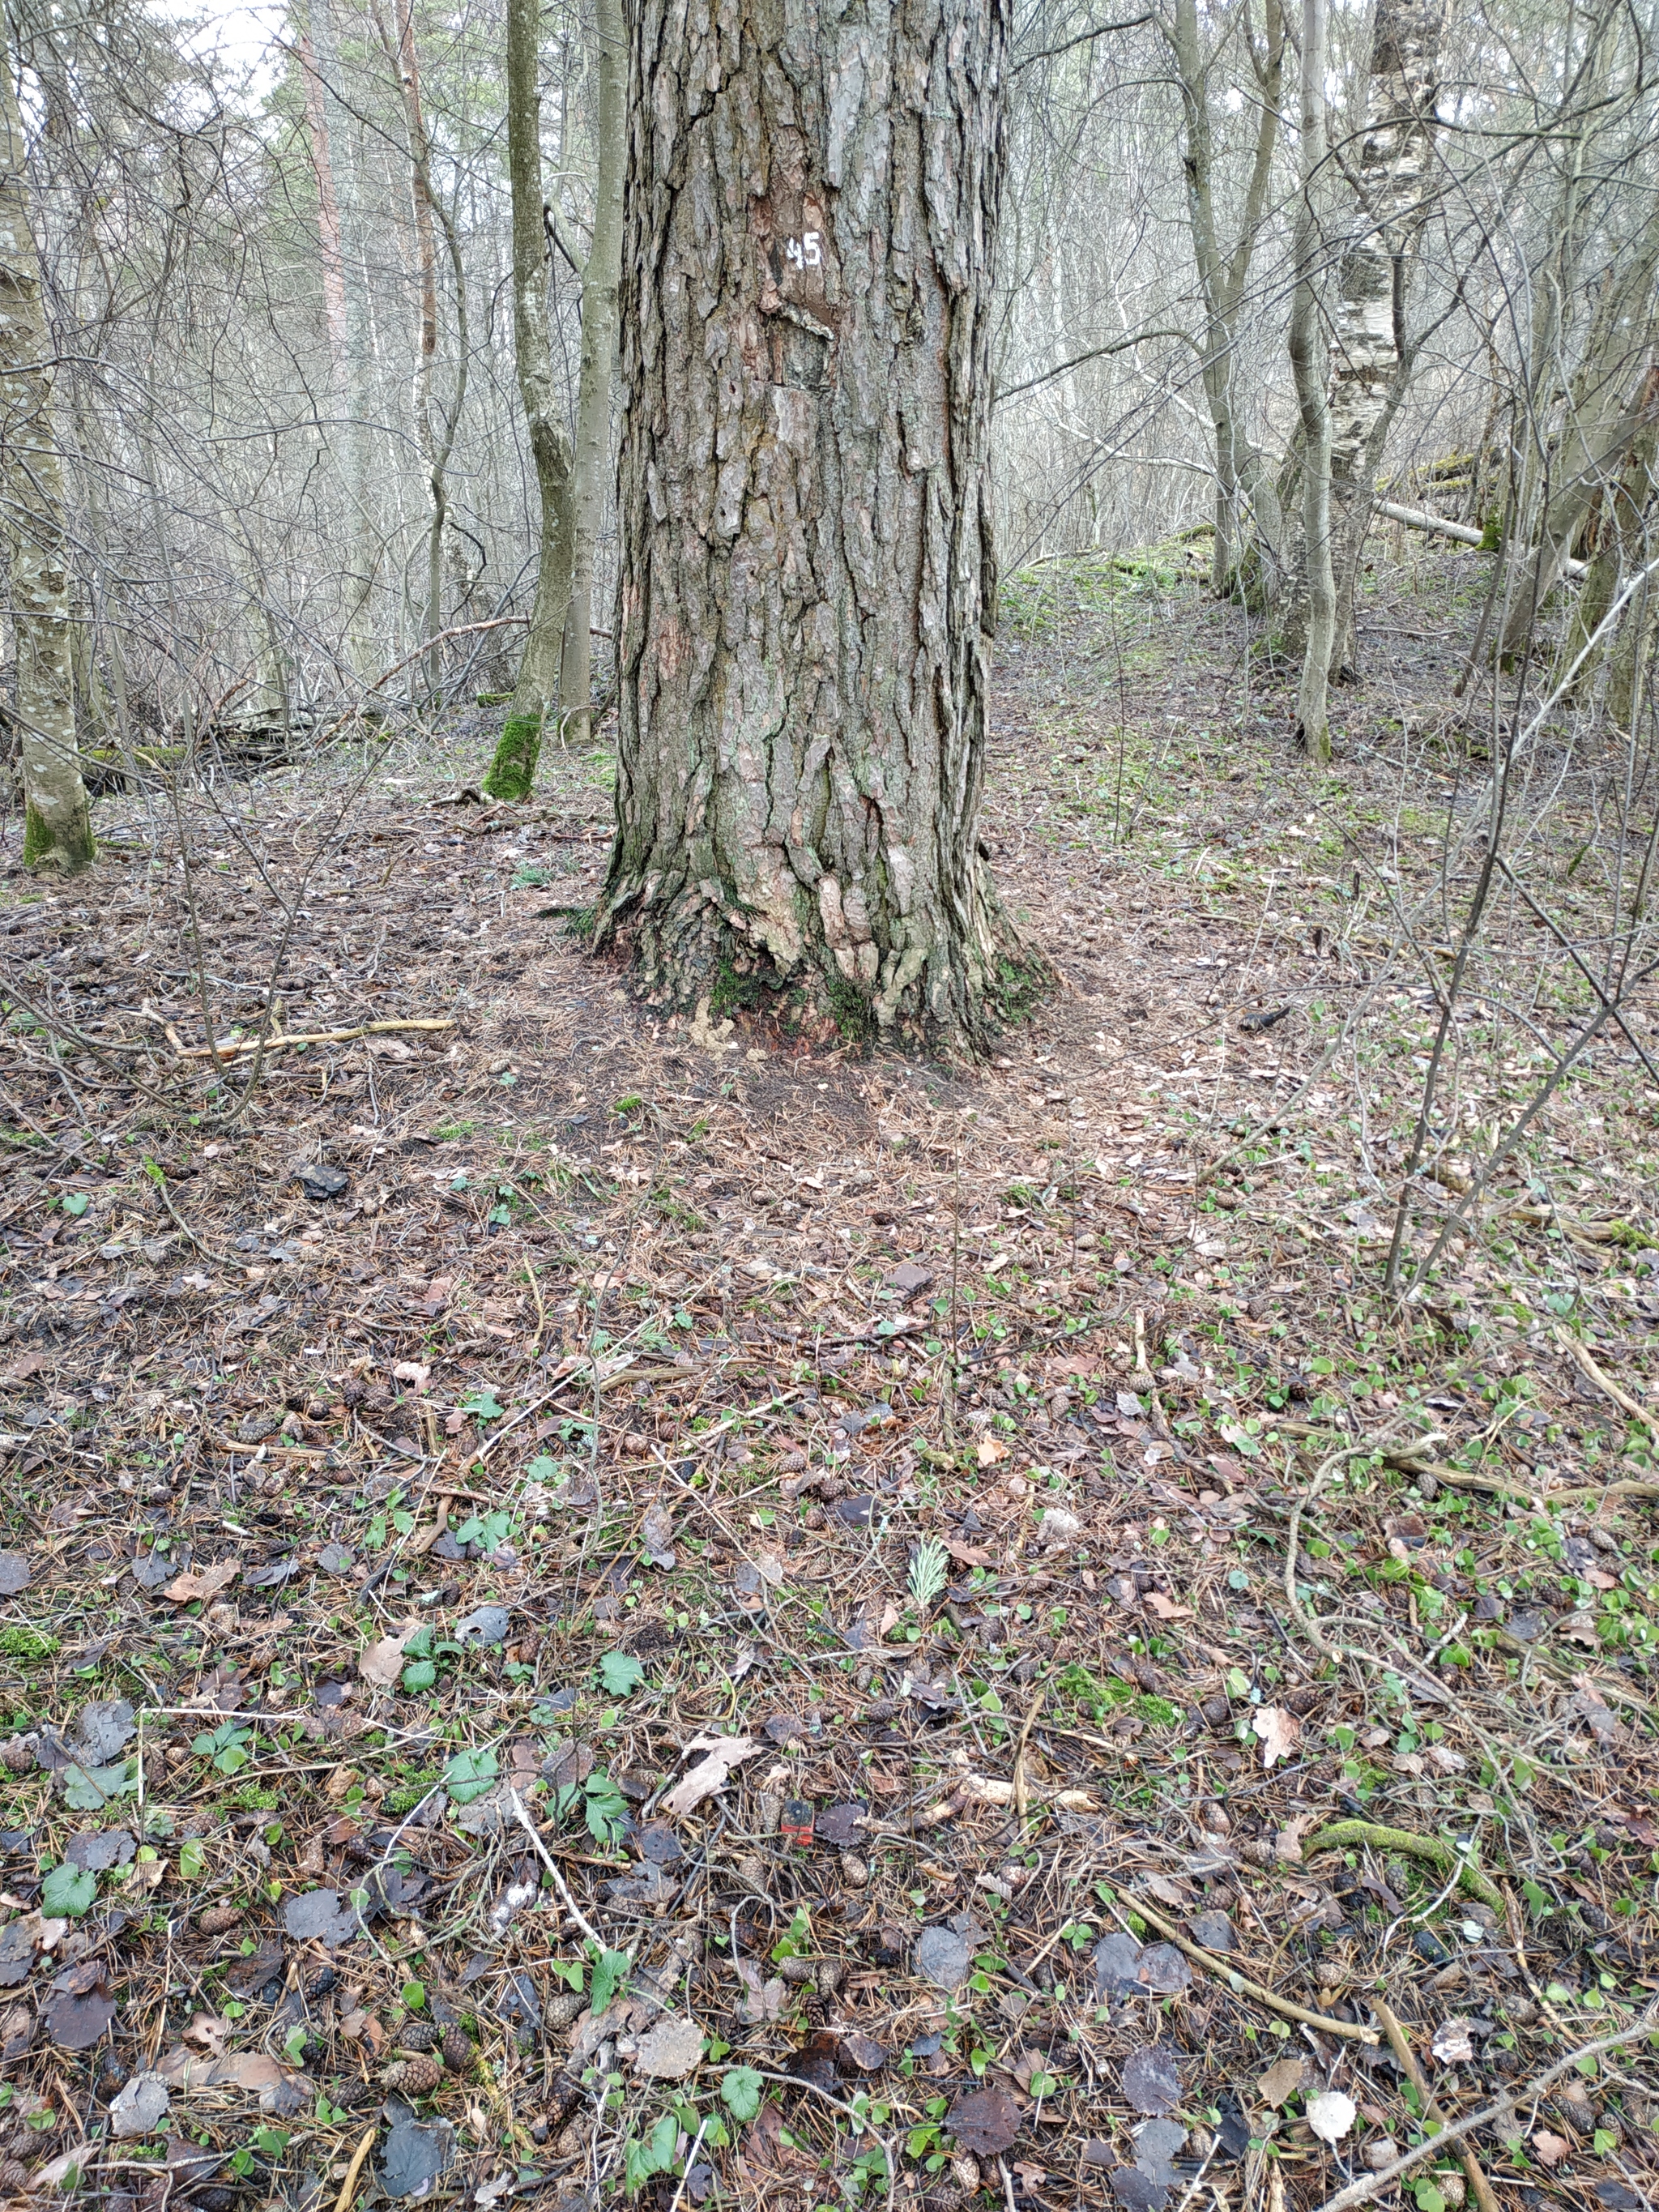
{"x": 1485, "y": 2196}
{"x": 1503, "y": 2108}
{"x": 1351, "y": 1835}
{"x": 1495, "y": 1485}
{"x": 1603, "y": 1381}
{"x": 1464, "y": 533}
{"x": 314, "y": 1036}
{"x": 1241, "y": 1985}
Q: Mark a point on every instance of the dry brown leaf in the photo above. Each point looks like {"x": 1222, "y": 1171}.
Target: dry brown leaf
{"x": 989, "y": 1450}
{"x": 382, "y": 1664}
{"x": 208, "y": 1584}
{"x": 1165, "y": 1608}
{"x": 1279, "y": 1731}
{"x": 726, "y": 1753}
{"x": 1551, "y": 2148}
{"x": 1281, "y": 2078}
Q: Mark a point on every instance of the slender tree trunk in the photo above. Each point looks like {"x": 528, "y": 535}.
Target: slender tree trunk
{"x": 58, "y": 825}
{"x": 345, "y": 309}
{"x": 1308, "y": 363}
{"x": 601, "y": 279}
{"x": 1222, "y": 277}
{"x": 807, "y": 578}
{"x": 512, "y": 772}
{"x": 1371, "y": 354}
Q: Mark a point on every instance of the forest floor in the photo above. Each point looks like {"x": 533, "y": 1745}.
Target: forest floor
{"x": 590, "y": 1605}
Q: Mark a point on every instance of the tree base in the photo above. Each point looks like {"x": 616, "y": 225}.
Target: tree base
{"x": 692, "y": 960}
{"x": 512, "y": 772}
{"x": 69, "y": 849}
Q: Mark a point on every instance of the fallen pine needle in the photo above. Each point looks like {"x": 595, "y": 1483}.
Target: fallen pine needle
{"x": 1241, "y": 1985}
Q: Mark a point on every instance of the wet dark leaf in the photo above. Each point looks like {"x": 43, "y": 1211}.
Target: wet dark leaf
{"x": 659, "y": 1844}
{"x": 838, "y": 1824}
{"x": 1138, "y": 2190}
{"x": 815, "y": 2061}
{"x": 99, "y": 1851}
{"x": 105, "y": 1728}
{"x": 1163, "y": 1970}
{"x": 318, "y": 1915}
{"x": 1213, "y": 1931}
{"x": 1157, "y": 2143}
{"x": 854, "y": 1512}
{"x": 337, "y": 1560}
{"x": 943, "y": 1958}
{"x": 13, "y": 1573}
{"x": 1118, "y": 1966}
{"x": 323, "y": 1182}
{"x": 1150, "y": 2081}
{"x": 81, "y": 2007}
{"x": 985, "y": 2122}
{"x": 864, "y": 2053}
{"x": 16, "y": 1951}
{"x": 415, "y": 2156}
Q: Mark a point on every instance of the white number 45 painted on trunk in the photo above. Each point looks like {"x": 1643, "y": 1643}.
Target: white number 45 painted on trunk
{"x": 805, "y": 252}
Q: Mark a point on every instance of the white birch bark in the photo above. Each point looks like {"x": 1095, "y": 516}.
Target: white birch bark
{"x": 1393, "y": 177}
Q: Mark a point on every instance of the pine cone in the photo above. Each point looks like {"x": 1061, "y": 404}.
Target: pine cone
{"x": 17, "y": 1753}
{"x": 218, "y": 1919}
{"x": 417, "y": 2035}
{"x": 415, "y": 2077}
{"x": 14, "y": 2177}
{"x": 457, "y": 2050}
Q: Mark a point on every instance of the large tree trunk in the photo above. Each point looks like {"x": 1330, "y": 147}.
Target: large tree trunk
{"x": 514, "y": 770}
{"x": 807, "y": 580}
{"x": 1370, "y": 355}
{"x": 601, "y": 280}
{"x": 1307, "y": 362}
{"x": 57, "y": 826}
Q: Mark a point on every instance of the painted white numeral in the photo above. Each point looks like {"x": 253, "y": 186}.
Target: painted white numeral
{"x": 806, "y": 252}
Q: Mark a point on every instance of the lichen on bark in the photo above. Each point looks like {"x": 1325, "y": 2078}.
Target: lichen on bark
{"x": 808, "y": 579}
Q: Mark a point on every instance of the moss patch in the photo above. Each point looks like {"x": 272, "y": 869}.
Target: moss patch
{"x": 512, "y": 772}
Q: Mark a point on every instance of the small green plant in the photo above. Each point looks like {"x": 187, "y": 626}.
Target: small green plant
{"x": 224, "y": 1746}
{"x": 929, "y": 1569}
{"x": 68, "y": 1892}
{"x": 741, "y": 2090}
{"x": 603, "y": 1807}
{"x": 75, "y": 1203}
{"x": 470, "y": 1774}
{"x": 621, "y": 1674}
{"x": 28, "y": 1643}
{"x": 655, "y": 2155}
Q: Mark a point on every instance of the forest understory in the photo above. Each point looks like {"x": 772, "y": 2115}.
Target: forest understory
{"x": 593, "y": 1606}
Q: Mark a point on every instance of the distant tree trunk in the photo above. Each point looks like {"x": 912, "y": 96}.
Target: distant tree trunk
{"x": 512, "y": 772}
{"x": 1222, "y": 277}
{"x": 57, "y": 821}
{"x": 1307, "y": 362}
{"x": 345, "y": 310}
{"x": 807, "y": 578}
{"x": 1371, "y": 354}
{"x": 601, "y": 279}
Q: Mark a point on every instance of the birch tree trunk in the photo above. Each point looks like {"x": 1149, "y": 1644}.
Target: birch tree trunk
{"x": 56, "y": 822}
{"x": 807, "y": 577}
{"x": 1308, "y": 363}
{"x": 1370, "y": 355}
{"x": 512, "y": 772}
{"x": 601, "y": 279}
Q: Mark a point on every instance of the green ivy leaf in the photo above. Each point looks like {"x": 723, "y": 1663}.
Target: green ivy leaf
{"x": 741, "y": 2090}
{"x": 469, "y": 1774}
{"x": 621, "y": 1672}
{"x": 68, "y": 1892}
{"x": 610, "y": 1971}
{"x": 75, "y": 1203}
{"x": 483, "y": 1403}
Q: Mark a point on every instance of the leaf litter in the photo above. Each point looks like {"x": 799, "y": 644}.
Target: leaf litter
{"x": 486, "y": 1478}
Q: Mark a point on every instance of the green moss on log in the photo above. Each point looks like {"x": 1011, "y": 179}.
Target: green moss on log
{"x": 512, "y": 772}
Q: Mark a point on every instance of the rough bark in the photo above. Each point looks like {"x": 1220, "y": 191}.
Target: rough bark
{"x": 807, "y": 579}
{"x": 57, "y": 825}
{"x": 1623, "y": 545}
{"x": 1370, "y": 355}
{"x": 601, "y": 280}
{"x": 537, "y": 690}
{"x": 1307, "y": 362}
